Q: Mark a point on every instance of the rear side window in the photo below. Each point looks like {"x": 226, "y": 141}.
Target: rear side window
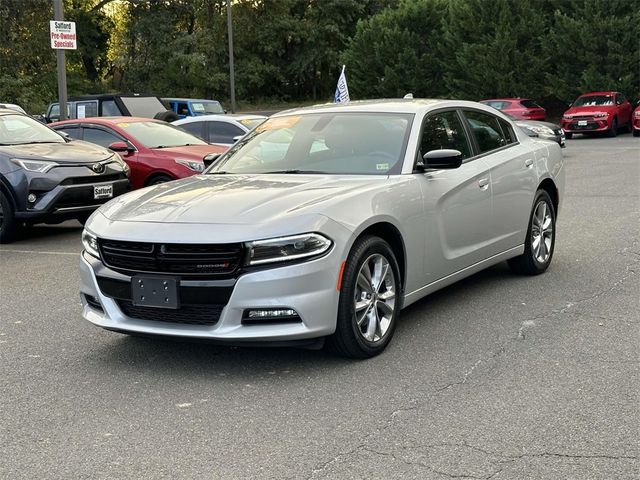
{"x": 194, "y": 128}
{"x": 486, "y": 130}
{"x": 529, "y": 104}
{"x": 444, "y": 130}
{"x": 183, "y": 109}
{"x": 498, "y": 105}
{"x": 110, "y": 109}
{"x": 86, "y": 109}
{"x": 220, "y": 132}
{"x": 508, "y": 132}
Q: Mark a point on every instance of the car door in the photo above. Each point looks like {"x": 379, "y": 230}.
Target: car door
{"x": 512, "y": 177}
{"x": 457, "y": 202}
{"x": 623, "y": 108}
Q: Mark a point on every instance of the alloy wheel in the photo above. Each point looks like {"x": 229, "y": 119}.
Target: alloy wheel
{"x": 375, "y": 298}
{"x": 541, "y": 232}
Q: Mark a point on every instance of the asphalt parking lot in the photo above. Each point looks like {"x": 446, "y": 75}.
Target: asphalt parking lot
{"x": 498, "y": 376}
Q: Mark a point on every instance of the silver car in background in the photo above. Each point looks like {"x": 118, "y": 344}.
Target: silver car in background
{"x": 321, "y": 224}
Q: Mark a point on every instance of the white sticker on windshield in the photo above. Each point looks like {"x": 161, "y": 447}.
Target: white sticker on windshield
{"x": 197, "y": 107}
{"x": 81, "y": 111}
{"x": 382, "y": 166}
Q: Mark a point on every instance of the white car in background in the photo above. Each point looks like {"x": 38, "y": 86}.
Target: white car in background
{"x": 13, "y": 106}
{"x": 220, "y": 129}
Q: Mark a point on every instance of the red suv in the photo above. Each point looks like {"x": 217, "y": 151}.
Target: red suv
{"x": 156, "y": 151}
{"x": 518, "y": 108}
{"x": 636, "y": 122}
{"x": 597, "y": 112}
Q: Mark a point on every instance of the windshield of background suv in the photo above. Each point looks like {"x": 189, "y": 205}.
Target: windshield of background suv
{"x": 159, "y": 134}
{"x": 206, "y": 108}
{"x": 143, "y": 106}
{"x": 593, "y": 100}
{"x": 19, "y": 130}
{"x": 324, "y": 143}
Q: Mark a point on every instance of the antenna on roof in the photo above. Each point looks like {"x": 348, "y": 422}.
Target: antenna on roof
{"x": 408, "y": 96}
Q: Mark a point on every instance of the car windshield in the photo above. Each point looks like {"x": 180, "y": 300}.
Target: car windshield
{"x": 593, "y": 100}
{"x": 159, "y": 134}
{"x": 206, "y": 108}
{"x": 19, "y": 129}
{"x": 323, "y": 143}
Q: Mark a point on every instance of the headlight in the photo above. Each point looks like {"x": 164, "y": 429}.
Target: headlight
{"x": 637, "y": 113}
{"x": 116, "y": 159}
{"x": 600, "y": 114}
{"x": 567, "y": 117}
{"x": 541, "y": 130}
{"x": 34, "y": 165}
{"x": 287, "y": 248}
{"x": 90, "y": 244}
{"x": 191, "y": 165}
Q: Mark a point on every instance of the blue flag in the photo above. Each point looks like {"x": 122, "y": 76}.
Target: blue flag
{"x": 342, "y": 91}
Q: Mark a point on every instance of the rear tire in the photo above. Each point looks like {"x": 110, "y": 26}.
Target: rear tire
{"x": 370, "y": 300}
{"x": 8, "y": 224}
{"x": 541, "y": 238}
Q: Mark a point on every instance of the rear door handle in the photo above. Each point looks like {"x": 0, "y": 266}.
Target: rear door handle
{"x": 483, "y": 183}
{"x": 528, "y": 162}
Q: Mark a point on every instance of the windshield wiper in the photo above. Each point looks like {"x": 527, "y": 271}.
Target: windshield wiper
{"x": 219, "y": 172}
{"x": 27, "y": 143}
{"x": 295, "y": 170}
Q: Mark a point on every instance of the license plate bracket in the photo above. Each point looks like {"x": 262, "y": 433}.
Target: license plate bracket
{"x": 102, "y": 191}
{"x": 158, "y": 292}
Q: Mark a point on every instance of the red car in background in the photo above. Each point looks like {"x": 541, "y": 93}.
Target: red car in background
{"x": 598, "y": 112}
{"x": 518, "y": 108}
{"x": 155, "y": 151}
{"x": 636, "y": 122}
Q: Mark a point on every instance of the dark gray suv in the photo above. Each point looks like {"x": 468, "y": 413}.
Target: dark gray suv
{"x": 45, "y": 177}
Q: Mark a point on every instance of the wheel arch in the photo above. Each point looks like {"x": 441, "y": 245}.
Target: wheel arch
{"x": 156, "y": 174}
{"x": 549, "y": 186}
{"x": 8, "y": 192}
{"x": 390, "y": 234}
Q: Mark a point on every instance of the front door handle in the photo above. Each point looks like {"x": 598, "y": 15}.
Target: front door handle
{"x": 528, "y": 162}
{"x": 483, "y": 183}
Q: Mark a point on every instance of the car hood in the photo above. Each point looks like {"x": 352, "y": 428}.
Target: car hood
{"x": 590, "y": 110}
{"x": 75, "y": 151}
{"x": 238, "y": 199}
{"x": 192, "y": 152}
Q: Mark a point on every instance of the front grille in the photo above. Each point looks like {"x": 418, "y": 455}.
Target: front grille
{"x": 582, "y": 117}
{"x": 93, "y": 179}
{"x": 187, "y": 314}
{"x": 212, "y": 260}
{"x": 83, "y": 196}
{"x": 588, "y": 126}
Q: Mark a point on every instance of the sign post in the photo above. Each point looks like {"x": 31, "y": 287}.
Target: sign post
{"x": 63, "y": 37}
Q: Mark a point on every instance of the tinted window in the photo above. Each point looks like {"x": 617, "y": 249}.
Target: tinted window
{"x": 486, "y": 130}
{"x": 110, "y": 109}
{"x": 529, "y": 104}
{"x": 220, "y": 132}
{"x": 73, "y": 132}
{"x": 620, "y": 99}
{"x": 99, "y": 136}
{"x": 86, "y": 109}
{"x": 194, "y": 128}
{"x": 444, "y": 130}
{"x": 183, "y": 109}
{"x": 508, "y": 132}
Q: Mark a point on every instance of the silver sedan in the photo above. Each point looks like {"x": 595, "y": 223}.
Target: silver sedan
{"x": 320, "y": 225}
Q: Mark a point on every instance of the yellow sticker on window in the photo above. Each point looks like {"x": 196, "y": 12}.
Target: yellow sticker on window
{"x": 123, "y": 125}
{"x": 278, "y": 124}
{"x": 382, "y": 166}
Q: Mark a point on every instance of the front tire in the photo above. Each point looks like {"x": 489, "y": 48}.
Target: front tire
{"x": 613, "y": 131}
{"x": 158, "y": 179}
{"x": 370, "y": 300}
{"x": 541, "y": 238}
{"x": 8, "y": 224}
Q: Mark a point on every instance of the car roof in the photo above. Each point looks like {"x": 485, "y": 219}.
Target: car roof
{"x": 234, "y": 118}
{"x": 514, "y": 99}
{"x": 178, "y": 99}
{"x": 106, "y": 96}
{"x": 590, "y": 94}
{"x": 394, "y": 105}
{"x": 9, "y": 111}
{"x": 106, "y": 120}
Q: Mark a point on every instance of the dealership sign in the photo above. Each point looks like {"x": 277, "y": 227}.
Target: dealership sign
{"x": 63, "y": 35}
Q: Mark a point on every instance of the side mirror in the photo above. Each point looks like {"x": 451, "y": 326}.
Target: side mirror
{"x": 65, "y": 135}
{"x": 119, "y": 147}
{"x": 210, "y": 158}
{"x": 442, "y": 159}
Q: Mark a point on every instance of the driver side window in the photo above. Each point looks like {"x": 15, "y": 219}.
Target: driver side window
{"x": 444, "y": 130}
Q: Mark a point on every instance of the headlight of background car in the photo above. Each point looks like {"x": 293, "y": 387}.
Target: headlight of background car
{"x": 542, "y": 130}
{"x": 637, "y": 113}
{"x": 117, "y": 159}
{"x": 34, "y": 165}
{"x": 567, "y": 117}
{"x": 90, "y": 244}
{"x": 191, "y": 164}
{"x": 287, "y": 248}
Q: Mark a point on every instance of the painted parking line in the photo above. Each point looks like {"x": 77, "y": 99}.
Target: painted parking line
{"x": 75, "y": 254}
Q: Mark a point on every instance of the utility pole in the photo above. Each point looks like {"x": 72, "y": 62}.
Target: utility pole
{"x": 58, "y": 15}
{"x": 232, "y": 80}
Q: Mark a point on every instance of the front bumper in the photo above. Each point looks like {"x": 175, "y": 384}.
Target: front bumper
{"x": 586, "y": 125}
{"x": 309, "y": 288}
{"x": 63, "y": 192}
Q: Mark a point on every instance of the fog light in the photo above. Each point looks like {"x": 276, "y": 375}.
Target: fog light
{"x": 270, "y": 315}
{"x": 31, "y": 198}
